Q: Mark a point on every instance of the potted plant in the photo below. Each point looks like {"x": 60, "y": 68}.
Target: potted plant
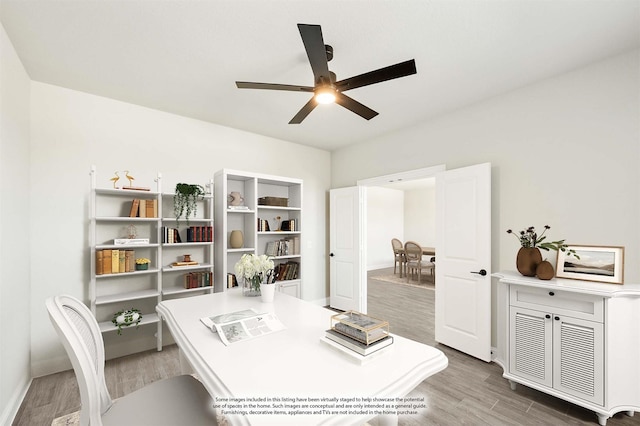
{"x": 529, "y": 256}
{"x": 185, "y": 200}
{"x": 254, "y": 270}
{"x": 126, "y": 318}
{"x": 142, "y": 264}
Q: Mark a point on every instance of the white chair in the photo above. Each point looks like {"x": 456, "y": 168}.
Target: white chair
{"x": 180, "y": 400}
{"x": 413, "y": 260}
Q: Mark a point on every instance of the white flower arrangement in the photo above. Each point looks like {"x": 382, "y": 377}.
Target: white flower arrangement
{"x": 254, "y": 268}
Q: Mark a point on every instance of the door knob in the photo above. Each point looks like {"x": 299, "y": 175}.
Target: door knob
{"x": 480, "y": 272}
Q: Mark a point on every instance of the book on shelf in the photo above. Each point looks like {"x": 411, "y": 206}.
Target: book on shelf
{"x": 122, "y": 264}
{"x": 130, "y": 241}
{"x": 287, "y": 271}
{"x": 190, "y": 263}
{"x": 238, "y": 207}
{"x": 135, "y": 205}
{"x": 289, "y": 225}
{"x": 232, "y": 281}
{"x": 263, "y": 225}
{"x": 198, "y": 279}
{"x": 99, "y": 263}
{"x": 200, "y": 234}
{"x": 106, "y": 261}
{"x": 283, "y": 247}
{"x": 115, "y": 261}
{"x": 357, "y": 346}
{"x": 111, "y": 261}
{"x": 170, "y": 235}
{"x": 142, "y": 208}
{"x": 130, "y": 260}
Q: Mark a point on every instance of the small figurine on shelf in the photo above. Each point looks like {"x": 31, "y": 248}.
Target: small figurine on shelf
{"x": 115, "y": 179}
{"x": 132, "y": 231}
{"x": 131, "y": 178}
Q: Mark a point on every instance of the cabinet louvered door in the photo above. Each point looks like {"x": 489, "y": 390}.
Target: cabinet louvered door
{"x": 578, "y": 358}
{"x": 531, "y": 345}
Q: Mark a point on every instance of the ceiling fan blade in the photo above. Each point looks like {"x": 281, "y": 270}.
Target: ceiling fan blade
{"x": 272, "y": 86}
{"x": 355, "y": 106}
{"x": 316, "y": 52}
{"x": 402, "y": 69}
{"x": 306, "y": 109}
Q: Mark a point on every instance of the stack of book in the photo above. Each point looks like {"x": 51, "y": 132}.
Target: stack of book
{"x": 360, "y": 333}
{"x": 113, "y": 261}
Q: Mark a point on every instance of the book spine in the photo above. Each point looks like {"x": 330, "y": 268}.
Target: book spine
{"x": 122, "y": 260}
{"x": 99, "y": 265}
{"x": 130, "y": 260}
{"x": 135, "y": 205}
{"x": 142, "y": 210}
{"x": 106, "y": 261}
{"x": 115, "y": 261}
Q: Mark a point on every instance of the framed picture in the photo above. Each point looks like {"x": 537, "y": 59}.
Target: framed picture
{"x": 595, "y": 263}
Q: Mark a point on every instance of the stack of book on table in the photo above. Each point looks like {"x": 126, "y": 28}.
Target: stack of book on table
{"x": 358, "y": 332}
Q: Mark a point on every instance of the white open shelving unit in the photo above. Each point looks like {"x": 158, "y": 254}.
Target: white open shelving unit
{"x": 109, "y": 219}
{"x": 252, "y": 187}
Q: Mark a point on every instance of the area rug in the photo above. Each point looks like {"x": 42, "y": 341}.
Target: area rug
{"x": 427, "y": 280}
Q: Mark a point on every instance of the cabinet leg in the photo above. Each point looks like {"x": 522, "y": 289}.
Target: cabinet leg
{"x": 512, "y": 384}
{"x": 630, "y": 413}
{"x": 602, "y": 419}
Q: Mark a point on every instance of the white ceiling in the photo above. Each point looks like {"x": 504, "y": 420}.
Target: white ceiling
{"x": 185, "y": 56}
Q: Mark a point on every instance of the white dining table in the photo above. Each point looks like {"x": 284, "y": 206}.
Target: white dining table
{"x": 293, "y": 363}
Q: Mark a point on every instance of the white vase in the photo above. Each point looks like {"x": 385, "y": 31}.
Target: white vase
{"x": 267, "y": 292}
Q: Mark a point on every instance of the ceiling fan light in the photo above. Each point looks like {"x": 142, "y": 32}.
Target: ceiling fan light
{"x": 325, "y": 96}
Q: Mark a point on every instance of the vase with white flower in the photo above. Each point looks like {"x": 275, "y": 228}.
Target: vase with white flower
{"x": 254, "y": 270}
{"x": 529, "y": 259}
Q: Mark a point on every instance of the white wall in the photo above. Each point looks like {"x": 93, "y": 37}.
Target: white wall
{"x": 564, "y": 153}
{"x": 71, "y": 130}
{"x": 15, "y": 361}
{"x": 420, "y": 216}
{"x": 385, "y": 220}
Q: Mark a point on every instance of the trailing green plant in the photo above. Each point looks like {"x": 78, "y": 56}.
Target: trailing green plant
{"x": 126, "y": 318}
{"x": 185, "y": 200}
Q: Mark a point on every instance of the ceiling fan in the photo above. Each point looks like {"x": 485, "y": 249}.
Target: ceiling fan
{"x": 326, "y": 89}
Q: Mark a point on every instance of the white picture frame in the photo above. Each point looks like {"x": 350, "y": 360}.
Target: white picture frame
{"x": 595, "y": 263}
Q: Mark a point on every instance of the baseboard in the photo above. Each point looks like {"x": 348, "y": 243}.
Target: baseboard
{"x": 51, "y": 366}
{"x": 10, "y": 411}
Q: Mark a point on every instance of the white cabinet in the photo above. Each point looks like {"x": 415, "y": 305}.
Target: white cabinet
{"x": 115, "y": 215}
{"x": 270, "y": 219}
{"x": 564, "y": 337}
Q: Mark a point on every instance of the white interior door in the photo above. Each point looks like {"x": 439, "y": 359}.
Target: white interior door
{"x": 463, "y": 260}
{"x": 347, "y": 288}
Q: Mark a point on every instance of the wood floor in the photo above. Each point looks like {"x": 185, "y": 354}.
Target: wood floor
{"x": 469, "y": 391}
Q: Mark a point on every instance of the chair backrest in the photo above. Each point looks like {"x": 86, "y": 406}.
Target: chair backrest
{"x": 396, "y": 244}
{"x": 80, "y": 335}
{"x": 412, "y": 251}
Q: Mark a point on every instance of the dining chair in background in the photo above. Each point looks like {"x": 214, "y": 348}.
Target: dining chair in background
{"x": 414, "y": 261}
{"x": 180, "y": 400}
{"x": 398, "y": 255}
